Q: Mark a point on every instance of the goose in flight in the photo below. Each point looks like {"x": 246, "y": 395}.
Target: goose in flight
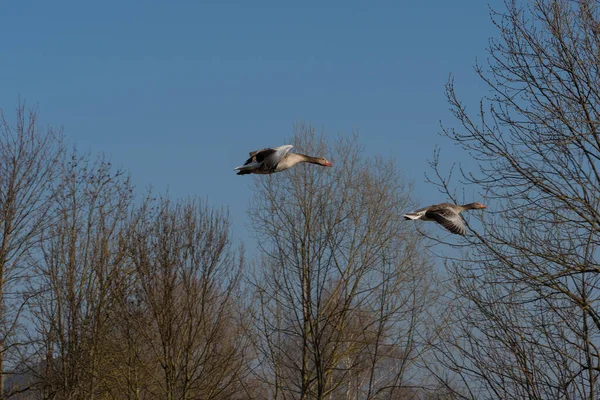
{"x": 445, "y": 214}
{"x": 276, "y": 159}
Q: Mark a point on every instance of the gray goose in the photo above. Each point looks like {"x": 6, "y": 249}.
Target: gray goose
{"x": 445, "y": 214}
{"x": 276, "y": 159}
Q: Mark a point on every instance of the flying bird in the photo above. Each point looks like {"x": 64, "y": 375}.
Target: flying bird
{"x": 276, "y": 159}
{"x": 445, "y": 214}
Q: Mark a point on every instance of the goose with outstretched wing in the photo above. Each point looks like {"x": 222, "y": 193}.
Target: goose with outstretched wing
{"x": 276, "y": 159}
{"x": 445, "y": 214}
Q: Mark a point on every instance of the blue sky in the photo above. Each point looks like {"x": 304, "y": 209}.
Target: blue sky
{"x": 178, "y": 93}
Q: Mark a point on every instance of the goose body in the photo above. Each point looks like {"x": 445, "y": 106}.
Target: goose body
{"x": 445, "y": 214}
{"x": 276, "y": 159}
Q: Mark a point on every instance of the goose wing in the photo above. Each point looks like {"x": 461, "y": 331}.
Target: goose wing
{"x": 269, "y": 153}
{"x": 269, "y": 157}
{"x": 448, "y": 218}
{"x": 257, "y": 156}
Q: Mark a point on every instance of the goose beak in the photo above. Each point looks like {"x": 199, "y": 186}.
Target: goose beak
{"x": 328, "y": 164}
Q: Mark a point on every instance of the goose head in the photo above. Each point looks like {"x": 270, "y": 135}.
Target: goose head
{"x": 475, "y": 206}
{"x": 324, "y": 162}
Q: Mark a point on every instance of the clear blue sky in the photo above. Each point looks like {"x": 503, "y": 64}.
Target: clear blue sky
{"x": 179, "y": 92}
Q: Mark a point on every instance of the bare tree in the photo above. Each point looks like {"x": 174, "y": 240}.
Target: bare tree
{"x": 183, "y": 306}
{"x": 81, "y": 263}
{"x": 342, "y": 288}
{"x": 527, "y": 321}
{"x": 28, "y": 160}
{"x": 101, "y": 300}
